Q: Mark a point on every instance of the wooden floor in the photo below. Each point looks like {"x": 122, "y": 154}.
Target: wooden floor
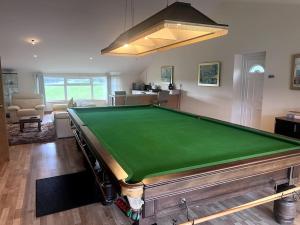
{"x": 34, "y": 161}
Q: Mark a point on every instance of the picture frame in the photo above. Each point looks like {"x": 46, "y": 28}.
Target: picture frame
{"x": 167, "y": 73}
{"x": 209, "y": 74}
{"x": 295, "y": 72}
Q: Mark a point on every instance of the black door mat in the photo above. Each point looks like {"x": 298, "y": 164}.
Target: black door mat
{"x": 56, "y": 194}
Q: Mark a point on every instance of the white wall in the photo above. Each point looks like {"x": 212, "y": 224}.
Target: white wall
{"x": 254, "y": 27}
{"x": 26, "y": 80}
{"x": 127, "y": 80}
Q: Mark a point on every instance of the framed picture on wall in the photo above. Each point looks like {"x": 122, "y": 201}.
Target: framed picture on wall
{"x": 209, "y": 74}
{"x": 167, "y": 74}
{"x": 295, "y": 79}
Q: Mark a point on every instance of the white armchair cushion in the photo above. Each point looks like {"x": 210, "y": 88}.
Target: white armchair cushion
{"x": 27, "y": 112}
{"x": 13, "y": 108}
{"x": 26, "y": 104}
{"x": 61, "y": 115}
{"x": 60, "y": 107}
{"x": 27, "y": 101}
{"x": 39, "y": 107}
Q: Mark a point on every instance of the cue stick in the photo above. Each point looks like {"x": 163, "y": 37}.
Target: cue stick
{"x": 244, "y": 206}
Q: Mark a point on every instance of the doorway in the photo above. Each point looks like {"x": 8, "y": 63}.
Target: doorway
{"x": 248, "y": 85}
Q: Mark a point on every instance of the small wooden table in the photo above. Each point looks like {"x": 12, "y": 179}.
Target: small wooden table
{"x": 30, "y": 119}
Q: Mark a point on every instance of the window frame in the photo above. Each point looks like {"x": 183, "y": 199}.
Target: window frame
{"x": 66, "y": 84}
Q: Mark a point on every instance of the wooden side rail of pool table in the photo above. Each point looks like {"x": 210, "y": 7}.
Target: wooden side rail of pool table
{"x": 163, "y": 195}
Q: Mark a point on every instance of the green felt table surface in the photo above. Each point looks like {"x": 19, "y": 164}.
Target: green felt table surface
{"x": 149, "y": 141}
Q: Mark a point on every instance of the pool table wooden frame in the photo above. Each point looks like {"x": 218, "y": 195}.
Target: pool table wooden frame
{"x": 164, "y": 194}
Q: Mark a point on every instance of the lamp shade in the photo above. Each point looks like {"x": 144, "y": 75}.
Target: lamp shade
{"x": 176, "y": 25}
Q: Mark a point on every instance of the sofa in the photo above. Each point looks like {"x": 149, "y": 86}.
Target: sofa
{"x": 26, "y": 105}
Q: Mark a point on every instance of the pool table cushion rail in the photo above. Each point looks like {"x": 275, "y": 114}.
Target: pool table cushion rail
{"x": 171, "y": 184}
{"x": 121, "y": 175}
{"x": 109, "y": 160}
{"x": 228, "y": 166}
{"x": 235, "y": 125}
{"x": 95, "y": 144}
{"x": 131, "y": 190}
{"x": 121, "y": 164}
{"x": 183, "y": 182}
{"x": 120, "y": 172}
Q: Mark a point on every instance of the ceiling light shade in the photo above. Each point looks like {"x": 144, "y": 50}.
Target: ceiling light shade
{"x": 177, "y": 25}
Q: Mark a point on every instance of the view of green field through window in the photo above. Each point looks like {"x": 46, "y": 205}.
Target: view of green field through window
{"x": 61, "y": 88}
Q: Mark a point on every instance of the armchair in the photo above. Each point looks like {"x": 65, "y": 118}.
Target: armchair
{"x": 26, "y": 105}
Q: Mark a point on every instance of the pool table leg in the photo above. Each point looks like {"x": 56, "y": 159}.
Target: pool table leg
{"x": 285, "y": 208}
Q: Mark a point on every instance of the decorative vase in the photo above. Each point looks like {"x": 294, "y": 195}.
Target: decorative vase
{"x": 171, "y": 86}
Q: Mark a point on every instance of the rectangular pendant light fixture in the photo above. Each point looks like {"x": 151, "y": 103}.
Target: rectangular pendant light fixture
{"x": 177, "y": 25}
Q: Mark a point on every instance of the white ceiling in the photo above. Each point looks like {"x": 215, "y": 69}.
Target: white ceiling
{"x": 72, "y": 31}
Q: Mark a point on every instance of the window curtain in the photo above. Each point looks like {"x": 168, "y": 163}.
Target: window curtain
{"x": 115, "y": 83}
{"x": 40, "y": 87}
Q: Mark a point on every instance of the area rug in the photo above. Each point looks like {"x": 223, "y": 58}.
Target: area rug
{"x": 56, "y": 194}
{"x": 30, "y": 133}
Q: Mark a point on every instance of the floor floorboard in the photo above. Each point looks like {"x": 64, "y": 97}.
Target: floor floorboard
{"x": 35, "y": 161}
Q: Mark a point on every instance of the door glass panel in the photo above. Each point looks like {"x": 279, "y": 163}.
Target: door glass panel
{"x": 257, "y": 69}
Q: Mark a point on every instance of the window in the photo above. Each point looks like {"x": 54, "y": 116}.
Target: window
{"x": 84, "y": 88}
{"x": 257, "y": 69}
{"x": 79, "y": 89}
{"x": 54, "y": 88}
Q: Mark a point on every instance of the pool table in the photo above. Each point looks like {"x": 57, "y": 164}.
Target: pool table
{"x": 161, "y": 158}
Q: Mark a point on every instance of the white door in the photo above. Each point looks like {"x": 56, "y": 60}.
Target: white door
{"x": 252, "y": 89}
{"x": 248, "y": 83}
